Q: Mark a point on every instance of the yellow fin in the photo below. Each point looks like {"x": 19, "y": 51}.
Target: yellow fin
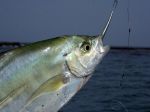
{"x": 50, "y": 85}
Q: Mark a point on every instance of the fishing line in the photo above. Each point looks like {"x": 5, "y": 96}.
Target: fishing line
{"x": 121, "y": 104}
{"x": 129, "y": 36}
{"x": 126, "y": 62}
{"x": 129, "y": 23}
{"x": 115, "y": 4}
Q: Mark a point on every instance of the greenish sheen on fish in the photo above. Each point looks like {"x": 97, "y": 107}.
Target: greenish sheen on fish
{"x": 44, "y": 76}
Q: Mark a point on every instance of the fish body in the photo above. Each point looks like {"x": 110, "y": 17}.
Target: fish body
{"x": 41, "y": 76}
{"x": 44, "y": 76}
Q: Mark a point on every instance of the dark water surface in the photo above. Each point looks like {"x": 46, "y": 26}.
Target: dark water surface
{"x": 121, "y": 83}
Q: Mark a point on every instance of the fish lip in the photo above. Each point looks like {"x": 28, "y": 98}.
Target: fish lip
{"x": 106, "y": 49}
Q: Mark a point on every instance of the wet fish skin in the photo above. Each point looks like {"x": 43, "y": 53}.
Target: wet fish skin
{"x": 24, "y": 70}
{"x": 29, "y": 67}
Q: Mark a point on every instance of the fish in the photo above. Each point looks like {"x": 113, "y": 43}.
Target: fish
{"x": 45, "y": 75}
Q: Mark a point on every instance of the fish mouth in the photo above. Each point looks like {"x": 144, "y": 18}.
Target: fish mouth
{"x": 105, "y": 50}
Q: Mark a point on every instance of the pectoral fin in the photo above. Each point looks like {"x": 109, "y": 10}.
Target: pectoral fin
{"x": 50, "y": 85}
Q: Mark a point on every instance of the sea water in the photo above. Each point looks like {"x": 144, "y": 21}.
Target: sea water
{"x": 121, "y": 83}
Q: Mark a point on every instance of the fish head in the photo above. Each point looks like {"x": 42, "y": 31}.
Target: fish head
{"x": 87, "y": 52}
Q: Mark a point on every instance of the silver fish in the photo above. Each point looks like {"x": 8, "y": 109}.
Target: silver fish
{"x": 44, "y": 76}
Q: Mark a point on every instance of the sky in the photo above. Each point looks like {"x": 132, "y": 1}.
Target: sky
{"x": 35, "y": 20}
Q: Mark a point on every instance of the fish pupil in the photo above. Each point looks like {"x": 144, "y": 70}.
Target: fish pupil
{"x": 87, "y": 47}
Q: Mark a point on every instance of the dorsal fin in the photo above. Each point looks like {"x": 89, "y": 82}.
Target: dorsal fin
{"x": 7, "y": 46}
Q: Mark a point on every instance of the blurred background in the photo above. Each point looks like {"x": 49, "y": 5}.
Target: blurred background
{"x": 34, "y": 20}
{"x": 121, "y": 83}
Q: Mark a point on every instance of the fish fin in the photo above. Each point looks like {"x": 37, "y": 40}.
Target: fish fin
{"x": 13, "y": 94}
{"x": 8, "y": 46}
{"x": 50, "y": 85}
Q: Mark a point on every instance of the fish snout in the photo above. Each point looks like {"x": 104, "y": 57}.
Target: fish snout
{"x": 104, "y": 49}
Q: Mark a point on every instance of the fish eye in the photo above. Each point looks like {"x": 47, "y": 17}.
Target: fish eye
{"x": 86, "y": 47}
